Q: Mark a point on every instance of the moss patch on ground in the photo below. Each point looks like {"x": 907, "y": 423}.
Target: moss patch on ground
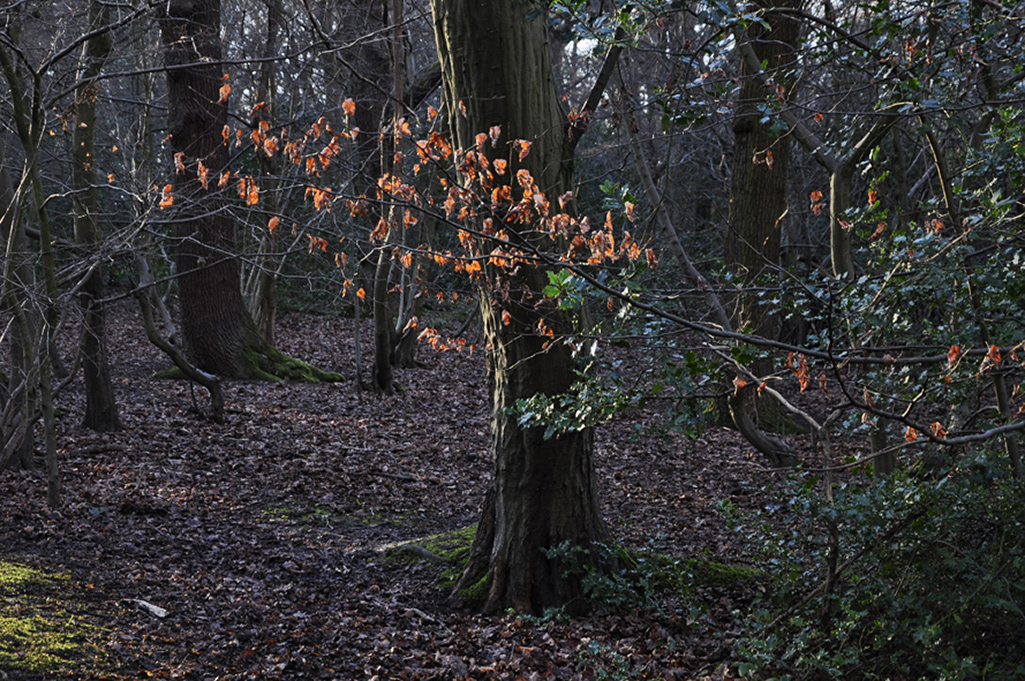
{"x": 308, "y": 516}
{"x": 45, "y": 625}
{"x": 449, "y": 549}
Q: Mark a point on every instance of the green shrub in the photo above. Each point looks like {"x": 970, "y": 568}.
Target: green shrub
{"x": 930, "y": 584}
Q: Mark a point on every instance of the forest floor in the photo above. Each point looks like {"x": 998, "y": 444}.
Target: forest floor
{"x": 265, "y": 538}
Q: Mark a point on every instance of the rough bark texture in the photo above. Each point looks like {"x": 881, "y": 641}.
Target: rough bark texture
{"x": 219, "y": 332}
{"x": 761, "y": 168}
{"x": 758, "y": 198}
{"x": 101, "y": 412}
{"x": 496, "y": 65}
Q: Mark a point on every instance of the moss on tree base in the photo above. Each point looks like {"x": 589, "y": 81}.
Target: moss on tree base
{"x": 271, "y": 365}
{"x": 452, "y": 548}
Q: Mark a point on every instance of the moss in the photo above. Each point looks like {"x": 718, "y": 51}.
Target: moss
{"x": 172, "y": 374}
{"x": 475, "y": 594}
{"x": 45, "y": 625}
{"x": 452, "y": 547}
{"x": 15, "y": 574}
{"x": 696, "y": 573}
{"x": 305, "y": 515}
{"x": 272, "y": 365}
{"x": 712, "y": 573}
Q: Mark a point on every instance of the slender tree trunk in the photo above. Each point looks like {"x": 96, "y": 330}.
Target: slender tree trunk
{"x": 21, "y": 398}
{"x": 42, "y": 364}
{"x": 264, "y": 302}
{"x": 101, "y": 411}
{"x": 218, "y": 330}
{"x": 496, "y": 67}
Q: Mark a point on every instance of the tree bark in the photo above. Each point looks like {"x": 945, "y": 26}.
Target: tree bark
{"x": 218, "y": 330}
{"x": 496, "y": 67}
{"x": 761, "y": 169}
{"x": 101, "y": 413}
{"x": 263, "y": 302}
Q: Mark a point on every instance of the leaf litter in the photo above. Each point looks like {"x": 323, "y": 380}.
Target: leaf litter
{"x": 254, "y": 544}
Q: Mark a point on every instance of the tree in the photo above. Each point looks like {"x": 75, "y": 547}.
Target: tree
{"x": 101, "y": 412}
{"x": 761, "y": 168}
{"x": 498, "y": 77}
{"x": 218, "y": 330}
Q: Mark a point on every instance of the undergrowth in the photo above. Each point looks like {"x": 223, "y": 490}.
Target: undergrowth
{"x": 928, "y": 582}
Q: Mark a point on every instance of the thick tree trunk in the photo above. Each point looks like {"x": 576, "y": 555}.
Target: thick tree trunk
{"x": 761, "y": 169}
{"x": 758, "y": 199}
{"x": 218, "y": 330}
{"x": 101, "y": 412}
{"x": 496, "y": 67}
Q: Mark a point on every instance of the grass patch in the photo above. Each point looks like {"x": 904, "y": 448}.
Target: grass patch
{"x": 44, "y": 625}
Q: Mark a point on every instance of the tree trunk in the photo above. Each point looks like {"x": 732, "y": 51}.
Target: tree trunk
{"x": 21, "y": 396}
{"x": 263, "y": 301}
{"x": 761, "y": 169}
{"x": 758, "y": 197}
{"x": 101, "y": 412}
{"x": 218, "y": 330}
{"x": 496, "y": 67}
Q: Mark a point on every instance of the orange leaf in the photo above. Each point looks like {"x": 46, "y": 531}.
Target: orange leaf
{"x": 273, "y": 224}
{"x": 349, "y": 106}
{"x": 910, "y": 434}
{"x": 994, "y": 354}
{"x": 938, "y": 430}
{"x": 500, "y": 165}
{"x": 317, "y": 242}
{"x": 816, "y": 202}
{"x": 224, "y": 92}
{"x": 650, "y": 255}
{"x": 524, "y": 148}
{"x": 954, "y": 354}
{"x": 361, "y": 294}
{"x": 738, "y": 383}
{"x": 179, "y": 164}
{"x": 166, "y": 198}
{"x": 506, "y": 317}
{"x": 204, "y": 174}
